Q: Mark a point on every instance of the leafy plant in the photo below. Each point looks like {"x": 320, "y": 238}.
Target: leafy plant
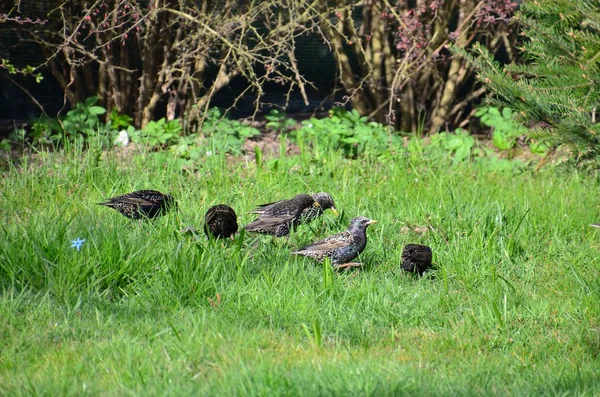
{"x": 225, "y": 135}
{"x": 157, "y": 133}
{"x": 82, "y": 123}
{"x": 458, "y": 144}
{"x": 5, "y": 144}
{"x": 79, "y": 126}
{"x": 555, "y": 89}
{"x": 118, "y": 121}
{"x": 347, "y": 131}
{"x": 506, "y": 129}
{"x": 187, "y": 151}
{"x": 44, "y": 130}
{"x": 277, "y": 121}
{"x": 17, "y": 135}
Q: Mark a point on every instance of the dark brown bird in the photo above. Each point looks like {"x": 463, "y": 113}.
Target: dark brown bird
{"x": 281, "y": 216}
{"x": 416, "y": 258}
{"x": 342, "y": 247}
{"x": 220, "y": 221}
{"x": 142, "y": 204}
{"x": 310, "y": 213}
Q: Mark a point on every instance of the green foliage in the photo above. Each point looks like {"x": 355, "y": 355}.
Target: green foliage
{"x": 457, "y": 144}
{"x": 16, "y": 137}
{"x": 188, "y": 151}
{"x": 460, "y": 147}
{"x": 226, "y": 135}
{"x": 219, "y": 135}
{"x": 83, "y": 121}
{"x": 5, "y": 144}
{"x": 277, "y": 121}
{"x": 347, "y": 131}
{"x": 555, "y": 91}
{"x": 44, "y": 131}
{"x": 506, "y": 129}
{"x": 27, "y": 70}
{"x": 118, "y": 121}
{"x": 160, "y": 133}
{"x": 81, "y": 126}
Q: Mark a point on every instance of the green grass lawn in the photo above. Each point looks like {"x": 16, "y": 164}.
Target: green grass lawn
{"x": 513, "y": 306}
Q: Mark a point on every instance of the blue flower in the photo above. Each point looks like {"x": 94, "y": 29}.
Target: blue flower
{"x": 77, "y": 243}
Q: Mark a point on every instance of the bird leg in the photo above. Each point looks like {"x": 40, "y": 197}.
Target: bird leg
{"x": 346, "y": 266}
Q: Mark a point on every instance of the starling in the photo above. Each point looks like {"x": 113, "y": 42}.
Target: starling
{"x": 281, "y": 216}
{"x": 220, "y": 221}
{"x": 342, "y": 247}
{"x": 416, "y": 258}
{"x": 142, "y": 204}
{"x": 309, "y": 214}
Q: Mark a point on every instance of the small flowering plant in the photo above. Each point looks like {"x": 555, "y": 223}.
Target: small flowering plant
{"x": 77, "y": 243}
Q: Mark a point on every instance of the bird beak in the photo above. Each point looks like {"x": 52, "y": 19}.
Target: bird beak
{"x": 335, "y": 212}
{"x": 372, "y": 221}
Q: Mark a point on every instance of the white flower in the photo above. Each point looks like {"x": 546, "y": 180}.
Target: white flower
{"x": 122, "y": 138}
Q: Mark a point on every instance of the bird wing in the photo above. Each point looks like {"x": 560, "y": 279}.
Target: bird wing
{"x": 269, "y": 220}
{"x": 419, "y": 254}
{"x": 336, "y": 241}
{"x": 264, "y": 208}
{"x": 210, "y": 216}
{"x": 422, "y": 255}
{"x": 132, "y": 200}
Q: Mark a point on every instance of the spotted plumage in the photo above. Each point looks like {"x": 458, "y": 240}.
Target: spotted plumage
{"x": 342, "y": 247}
{"x": 220, "y": 221}
{"x": 141, "y": 204}
{"x": 310, "y": 213}
{"x": 416, "y": 258}
{"x": 279, "y": 217}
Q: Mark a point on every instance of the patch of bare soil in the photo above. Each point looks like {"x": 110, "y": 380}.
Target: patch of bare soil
{"x": 269, "y": 140}
{"x": 270, "y": 144}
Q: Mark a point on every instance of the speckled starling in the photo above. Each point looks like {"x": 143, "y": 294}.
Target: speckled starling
{"x": 309, "y": 214}
{"x": 416, "y": 258}
{"x": 342, "y": 247}
{"x": 142, "y": 204}
{"x": 220, "y": 221}
{"x": 281, "y": 216}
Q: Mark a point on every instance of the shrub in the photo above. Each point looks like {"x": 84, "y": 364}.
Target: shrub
{"x": 81, "y": 126}
{"x": 392, "y": 61}
{"x": 347, "y": 131}
{"x": 225, "y": 135}
{"x": 556, "y": 91}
